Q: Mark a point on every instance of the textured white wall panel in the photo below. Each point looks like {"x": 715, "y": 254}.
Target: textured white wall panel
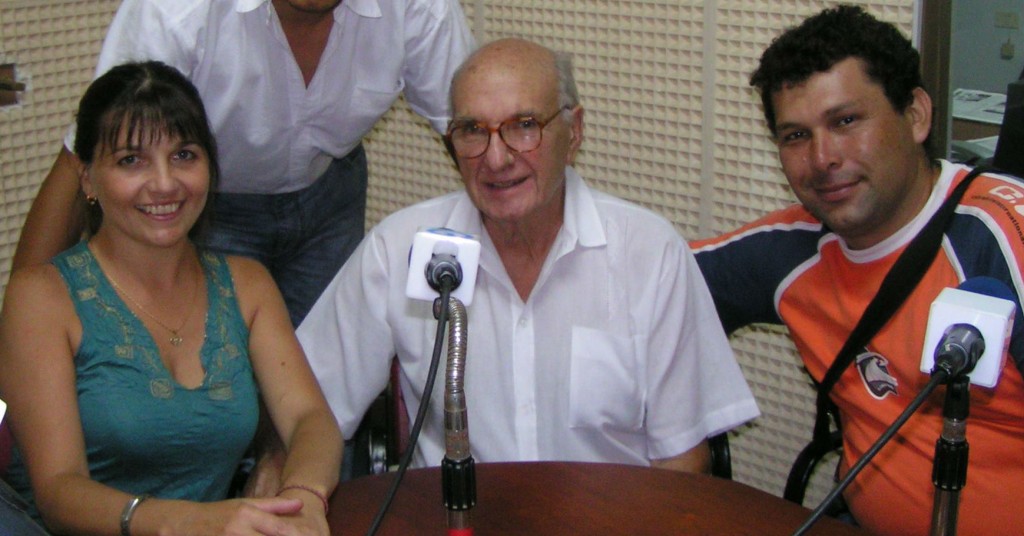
{"x": 671, "y": 123}
{"x": 54, "y": 44}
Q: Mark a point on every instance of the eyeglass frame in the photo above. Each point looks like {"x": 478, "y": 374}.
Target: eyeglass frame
{"x": 490, "y": 132}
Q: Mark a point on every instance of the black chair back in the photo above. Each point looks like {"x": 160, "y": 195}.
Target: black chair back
{"x": 1009, "y": 156}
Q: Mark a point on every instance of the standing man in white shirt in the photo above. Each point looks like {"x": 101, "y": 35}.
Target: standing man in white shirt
{"x": 291, "y": 88}
{"x": 592, "y": 336}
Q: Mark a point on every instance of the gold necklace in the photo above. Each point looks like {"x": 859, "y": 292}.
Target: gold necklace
{"x": 175, "y": 339}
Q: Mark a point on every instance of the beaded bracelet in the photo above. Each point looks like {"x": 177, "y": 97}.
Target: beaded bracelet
{"x": 309, "y": 489}
{"x": 129, "y": 511}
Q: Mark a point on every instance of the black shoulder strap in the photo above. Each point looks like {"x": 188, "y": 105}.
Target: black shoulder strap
{"x": 904, "y": 275}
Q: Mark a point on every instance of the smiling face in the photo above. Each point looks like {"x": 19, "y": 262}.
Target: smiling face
{"x": 145, "y": 103}
{"x": 152, "y": 190}
{"x": 505, "y": 80}
{"x": 854, "y": 162}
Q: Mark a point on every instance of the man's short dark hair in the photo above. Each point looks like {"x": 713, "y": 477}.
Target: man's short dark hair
{"x": 830, "y": 37}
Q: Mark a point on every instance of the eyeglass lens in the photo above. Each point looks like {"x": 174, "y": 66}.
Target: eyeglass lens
{"x": 521, "y": 134}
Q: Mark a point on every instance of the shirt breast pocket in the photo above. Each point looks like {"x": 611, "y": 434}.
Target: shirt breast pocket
{"x": 606, "y": 385}
{"x": 368, "y": 104}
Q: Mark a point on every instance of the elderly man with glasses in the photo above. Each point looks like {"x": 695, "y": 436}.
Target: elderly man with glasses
{"x": 591, "y": 335}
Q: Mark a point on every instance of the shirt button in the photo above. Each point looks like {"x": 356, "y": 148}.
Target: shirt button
{"x": 522, "y": 322}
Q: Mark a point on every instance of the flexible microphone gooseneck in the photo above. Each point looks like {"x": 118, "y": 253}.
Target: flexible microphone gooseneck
{"x": 447, "y": 281}
{"x": 458, "y": 470}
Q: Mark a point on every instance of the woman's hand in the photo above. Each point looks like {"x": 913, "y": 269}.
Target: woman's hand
{"x": 313, "y": 516}
{"x": 277, "y": 516}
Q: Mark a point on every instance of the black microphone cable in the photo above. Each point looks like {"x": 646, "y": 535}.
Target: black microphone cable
{"x": 940, "y": 375}
{"x": 447, "y": 284}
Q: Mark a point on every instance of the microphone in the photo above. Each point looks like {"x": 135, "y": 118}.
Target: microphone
{"x": 439, "y": 253}
{"x": 959, "y": 322}
{"x": 959, "y": 350}
{"x": 981, "y": 309}
{"x": 969, "y": 330}
{"x": 444, "y": 264}
{"x": 449, "y": 258}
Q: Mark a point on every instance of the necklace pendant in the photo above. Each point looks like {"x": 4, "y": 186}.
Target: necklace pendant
{"x": 176, "y": 340}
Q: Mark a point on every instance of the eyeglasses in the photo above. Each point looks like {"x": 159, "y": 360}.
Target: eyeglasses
{"x": 521, "y": 134}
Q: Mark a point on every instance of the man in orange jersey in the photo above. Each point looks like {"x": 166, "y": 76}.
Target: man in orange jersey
{"x": 845, "y": 103}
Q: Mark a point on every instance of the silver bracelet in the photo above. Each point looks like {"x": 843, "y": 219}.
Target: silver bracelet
{"x": 129, "y": 511}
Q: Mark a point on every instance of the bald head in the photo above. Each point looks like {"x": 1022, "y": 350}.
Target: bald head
{"x": 518, "y": 59}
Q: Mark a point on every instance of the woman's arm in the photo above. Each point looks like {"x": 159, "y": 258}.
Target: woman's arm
{"x": 39, "y": 335}
{"x": 290, "y": 391}
{"x": 38, "y": 330}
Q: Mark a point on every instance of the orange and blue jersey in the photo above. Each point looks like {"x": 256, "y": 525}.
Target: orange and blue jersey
{"x": 788, "y": 268}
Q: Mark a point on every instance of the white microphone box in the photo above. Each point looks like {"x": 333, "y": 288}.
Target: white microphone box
{"x": 427, "y": 242}
{"x": 993, "y": 317}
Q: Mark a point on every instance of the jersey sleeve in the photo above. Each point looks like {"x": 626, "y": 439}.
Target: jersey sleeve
{"x": 744, "y": 268}
{"x": 987, "y": 240}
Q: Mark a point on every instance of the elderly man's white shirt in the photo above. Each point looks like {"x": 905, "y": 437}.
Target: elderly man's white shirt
{"x": 274, "y": 133}
{"x": 617, "y": 355}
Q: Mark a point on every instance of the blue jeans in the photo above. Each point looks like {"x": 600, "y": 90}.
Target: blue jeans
{"x": 302, "y": 237}
{"x": 13, "y": 519}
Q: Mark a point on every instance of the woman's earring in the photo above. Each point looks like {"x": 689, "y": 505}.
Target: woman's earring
{"x": 91, "y": 200}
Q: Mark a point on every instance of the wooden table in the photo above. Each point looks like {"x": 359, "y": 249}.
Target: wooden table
{"x": 562, "y": 498}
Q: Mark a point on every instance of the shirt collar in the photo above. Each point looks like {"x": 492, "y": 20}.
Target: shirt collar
{"x": 582, "y": 222}
{"x": 364, "y": 8}
{"x": 940, "y": 191}
{"x": 465, "y": 217}
{"x": 245, "y": 6}
{"x": 581, "y": 227}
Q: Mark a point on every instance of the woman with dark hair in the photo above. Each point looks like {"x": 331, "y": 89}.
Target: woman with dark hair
{"x": 133, "y": 362}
